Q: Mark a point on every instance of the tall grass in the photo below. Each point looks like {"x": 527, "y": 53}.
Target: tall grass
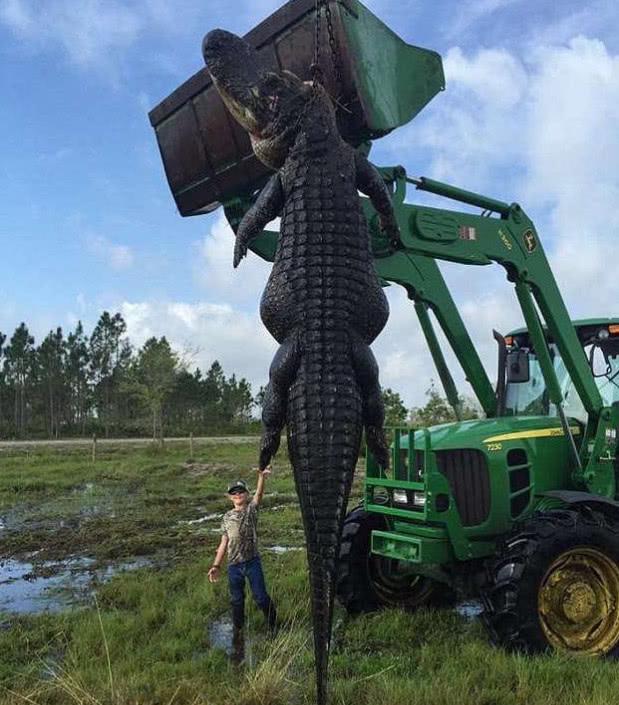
{"x": 145, "y": 641}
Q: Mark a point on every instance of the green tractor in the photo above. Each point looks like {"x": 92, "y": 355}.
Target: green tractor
{"x": 518, "y": 507}
{"x": 512, "y": 507}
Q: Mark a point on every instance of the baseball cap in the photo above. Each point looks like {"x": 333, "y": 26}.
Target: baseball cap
{"x": 238, "y": 485}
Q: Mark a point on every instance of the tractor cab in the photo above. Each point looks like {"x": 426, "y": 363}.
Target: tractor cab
{"x": 525, "y": 389}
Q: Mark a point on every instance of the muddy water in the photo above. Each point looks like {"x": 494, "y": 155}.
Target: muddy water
{"x": 49, "y": 579}
{"x": 470, "y": 609}
{"x": 236, "y": 643}
{"x": 52, "y": 586}
{"x": 281, "y": 550}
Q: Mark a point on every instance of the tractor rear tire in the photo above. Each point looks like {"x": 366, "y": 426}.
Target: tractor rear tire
{"x": 365, "y": 583}
{"x": 555, "y": 584}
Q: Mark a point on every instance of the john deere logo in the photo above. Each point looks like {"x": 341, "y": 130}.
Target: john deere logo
{"x": 529, "y": 240}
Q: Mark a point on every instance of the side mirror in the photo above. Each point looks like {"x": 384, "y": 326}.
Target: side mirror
{"x": 598, "y": 361}
{"x": 517, "y": 366}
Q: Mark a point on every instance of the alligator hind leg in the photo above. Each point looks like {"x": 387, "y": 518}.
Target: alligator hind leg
{"x": 366, "y": 372}
{"x": 281, "y": 375}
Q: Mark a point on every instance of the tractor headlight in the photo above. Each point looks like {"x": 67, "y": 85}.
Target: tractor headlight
{"x": 400, "y": 497}
{"x": 419, "y": 499}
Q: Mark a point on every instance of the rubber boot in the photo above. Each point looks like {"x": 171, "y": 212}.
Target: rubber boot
{"x": 238, "y": 616}
{"x": 237, "y": 655}
{"x": 270, "y": 614}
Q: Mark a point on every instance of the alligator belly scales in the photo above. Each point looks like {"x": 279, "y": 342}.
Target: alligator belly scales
{"x": 323, "y": 302}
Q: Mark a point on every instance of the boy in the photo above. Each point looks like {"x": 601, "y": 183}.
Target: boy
{"x": 239, "y": 538}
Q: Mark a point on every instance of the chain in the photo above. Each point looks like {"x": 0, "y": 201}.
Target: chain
{"x": 316, "y": 69}
{"x": 335, "y": 55}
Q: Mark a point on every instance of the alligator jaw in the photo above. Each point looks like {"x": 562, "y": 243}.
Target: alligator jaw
{"x": 236, "y": 71}
{"x": 267, "y": 103}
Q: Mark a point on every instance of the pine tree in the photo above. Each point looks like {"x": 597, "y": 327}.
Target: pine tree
{"x": 51, "y": 362}
{"x": 109, "y": 355}
{"x": 78, "y": 404}
{"x": 19, "y": 365}
{"x": 153, "y": 379}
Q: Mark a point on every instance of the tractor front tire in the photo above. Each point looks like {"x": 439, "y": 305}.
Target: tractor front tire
{"x": 555, "y": 584}
{"x": 367, "y": 582}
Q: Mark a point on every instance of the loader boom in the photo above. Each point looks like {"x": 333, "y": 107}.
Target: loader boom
{"x": 503, "y": 234}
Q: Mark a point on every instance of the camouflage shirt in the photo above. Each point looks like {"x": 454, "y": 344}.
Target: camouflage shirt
{"x": 240, "y": 528}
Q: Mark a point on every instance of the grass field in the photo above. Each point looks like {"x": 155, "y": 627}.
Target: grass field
{"x": 147, "y": 635}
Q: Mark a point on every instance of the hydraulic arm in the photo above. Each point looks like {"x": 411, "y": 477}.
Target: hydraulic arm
{"x": 425, "y": 286}
{"x": 504, "y": 234}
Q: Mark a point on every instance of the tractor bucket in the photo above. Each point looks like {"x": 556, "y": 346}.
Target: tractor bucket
{"x": 384, "y": 83}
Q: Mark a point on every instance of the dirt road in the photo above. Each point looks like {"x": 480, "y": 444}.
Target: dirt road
{"x": 76, "y": 442}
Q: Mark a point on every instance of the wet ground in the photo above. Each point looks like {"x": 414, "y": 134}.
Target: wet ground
{"x": 55, "y": 551}
{"x": 54, "y": 586}
{"x": 236, "y": 643}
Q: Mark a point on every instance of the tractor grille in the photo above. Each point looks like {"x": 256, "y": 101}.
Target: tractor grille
{"x": 467, "y": 473}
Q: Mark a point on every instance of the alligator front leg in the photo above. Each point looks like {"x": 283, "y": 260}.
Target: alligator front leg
{"x": 268, "y": 205}
{"x": 370, "y": 182}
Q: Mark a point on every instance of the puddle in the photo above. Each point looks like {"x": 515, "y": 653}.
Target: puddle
{"x": 222, "y": 635}
{"x": 68, "y": 511}
{"x": 86, "y": 488}
{"x": 52, "y": 586}
{"x": 279, "y": 550}
{"x": 470, "y": 609}
{"x": 201, "y": 520}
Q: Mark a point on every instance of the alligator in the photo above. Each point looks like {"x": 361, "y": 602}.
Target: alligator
{"x": 323, "y": 302}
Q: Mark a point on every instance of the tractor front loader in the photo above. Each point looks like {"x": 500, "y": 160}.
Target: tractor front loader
{"x": 518, "y": 507}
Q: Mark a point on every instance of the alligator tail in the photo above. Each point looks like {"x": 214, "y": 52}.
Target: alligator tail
{"x": 324, "y": 421}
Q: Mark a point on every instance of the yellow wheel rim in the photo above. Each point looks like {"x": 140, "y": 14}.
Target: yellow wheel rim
{"x": 578, "y": 602}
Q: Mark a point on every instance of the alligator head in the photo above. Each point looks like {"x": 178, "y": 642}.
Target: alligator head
{"x": 266, "y": 103}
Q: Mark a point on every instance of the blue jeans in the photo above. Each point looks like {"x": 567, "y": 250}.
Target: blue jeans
{"x": 252, "y": 570}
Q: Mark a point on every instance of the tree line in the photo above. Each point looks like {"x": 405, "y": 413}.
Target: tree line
{"x": 76, "y": 384}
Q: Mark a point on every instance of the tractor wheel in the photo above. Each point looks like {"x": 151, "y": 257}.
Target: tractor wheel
{"x": 368, "y": 582}
{"x": 555, "y": 584}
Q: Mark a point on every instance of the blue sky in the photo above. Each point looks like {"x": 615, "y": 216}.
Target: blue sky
{"x": 530, "y": 114}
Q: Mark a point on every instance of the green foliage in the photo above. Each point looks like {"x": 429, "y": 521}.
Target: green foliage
{"x": 437, "y": 410}
{"x": 395, "y": 411}
{"x": 79, "y": 385}
{"x": 152, "y": 378}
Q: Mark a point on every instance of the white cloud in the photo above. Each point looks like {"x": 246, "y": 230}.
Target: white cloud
{"x": 595, "y": 18}
{"x": 117, "y": 256}
{"x": 211, "y": 331}
{"x": 541, "y": 130}
{"x": 89, "y": 31}
{"x": 16, "y": 15}
{"x": 214, "y": 271}
{"x": 97, "y": 34}
{"x": 471, "y": 12}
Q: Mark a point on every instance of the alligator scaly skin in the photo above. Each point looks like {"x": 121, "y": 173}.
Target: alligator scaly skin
{"x": 323, "y": 302}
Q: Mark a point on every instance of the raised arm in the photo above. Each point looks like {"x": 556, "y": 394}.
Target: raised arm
{"x": 370, "y": 182}
{"x": 268, "y": 205}
{"x": 259, "y": 493}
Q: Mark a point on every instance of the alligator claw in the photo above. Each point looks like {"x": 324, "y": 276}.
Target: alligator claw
{"x": 239, "y": 252}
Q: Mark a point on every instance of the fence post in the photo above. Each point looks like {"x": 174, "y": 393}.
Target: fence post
{"x": 94, "y": 447}
{"x": 191, "y": 445}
